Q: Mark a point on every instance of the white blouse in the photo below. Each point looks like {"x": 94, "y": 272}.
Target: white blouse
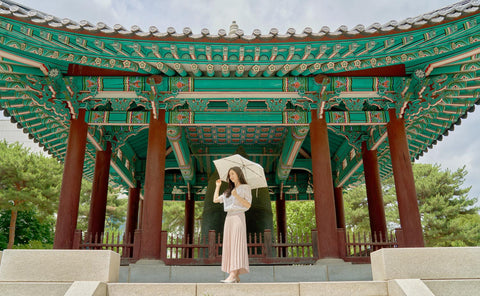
{"x": 231, "y": 204}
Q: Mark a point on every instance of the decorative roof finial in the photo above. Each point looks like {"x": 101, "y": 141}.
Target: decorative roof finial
{"x": 233, "y": 28}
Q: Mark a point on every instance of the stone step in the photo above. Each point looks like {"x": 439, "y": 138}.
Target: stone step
{"x": 251, "y": 289}
{"x": 33, "y": 289}
{"x": 405, "y": 287}
{"x": 454, "y": 287}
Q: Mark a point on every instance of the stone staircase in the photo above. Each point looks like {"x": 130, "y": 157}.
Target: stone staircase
{"x": 395, "y": 272}
{"x": 150, "y": 271}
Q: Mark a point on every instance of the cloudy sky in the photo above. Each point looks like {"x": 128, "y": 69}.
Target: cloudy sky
{"x": 458, "y": 149}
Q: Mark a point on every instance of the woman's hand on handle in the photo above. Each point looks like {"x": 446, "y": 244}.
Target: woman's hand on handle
{"x": 241, "y": 199}
{"x": 218, "y": 183}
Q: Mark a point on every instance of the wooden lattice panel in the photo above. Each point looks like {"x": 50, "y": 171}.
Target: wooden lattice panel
{"x": 237, "y": 135}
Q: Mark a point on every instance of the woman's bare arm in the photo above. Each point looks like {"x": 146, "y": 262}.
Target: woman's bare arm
{"x": 218, "y": 183}
{"x": 241, "y": 199}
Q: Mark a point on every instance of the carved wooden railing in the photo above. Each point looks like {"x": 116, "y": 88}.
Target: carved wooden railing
{"x": 263, "y": 248}
{"x": 358, "y": 246}
{"x": 122, "y": 244}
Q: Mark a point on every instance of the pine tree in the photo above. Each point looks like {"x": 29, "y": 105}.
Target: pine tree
{"x": 28, "y": 182}
{"x": 116, "y": 210}
{"x": 448, "y": 213}
{"x": 445, "y": 206}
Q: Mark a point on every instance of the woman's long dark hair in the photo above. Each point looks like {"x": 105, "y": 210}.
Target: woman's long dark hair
{"x": 231, "y": 185}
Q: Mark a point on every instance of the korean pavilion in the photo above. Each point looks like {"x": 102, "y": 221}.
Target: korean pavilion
{"x": 320, "y": 110}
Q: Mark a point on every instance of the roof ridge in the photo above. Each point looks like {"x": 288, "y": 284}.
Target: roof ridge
{"x": 453, "y": 11}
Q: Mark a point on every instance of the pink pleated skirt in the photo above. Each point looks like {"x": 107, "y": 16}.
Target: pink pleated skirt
{"x": 234, "y": 249}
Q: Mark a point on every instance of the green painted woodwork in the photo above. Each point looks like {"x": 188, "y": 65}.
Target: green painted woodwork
{"x": 291, "y": 146}
{"x": 14, "y": 68}
{"x": 238, "y": 84}
{"x": 129, "y": 118}
{"x": 178, "y": 142}
{"x": 238, "y": 117}
{"x": 179, "y": 118}
{"x": 296, "y": 187}
{"x": 356, "y": 118}
{"x": 303, "y": 164}
{"x": 222, "y": 92}
{"x": 329, "y": 55}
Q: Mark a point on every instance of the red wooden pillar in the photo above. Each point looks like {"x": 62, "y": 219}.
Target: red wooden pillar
{"x": 339, "y": 210}
{"x": 132, "y": 211}
{"x": 281, "y": 221}
{"x": 281, "y": 216}
{"x": 140, "y": 214}
{"x": 98, "y": 204}
{"x": 376, "y": 210}
{"x": 71, "y": 183}
{"x": 154, "y": 187}
{"x": 189, "y": 228}
{"x": 404, "y": 182}
{"x": 323, "y": 189}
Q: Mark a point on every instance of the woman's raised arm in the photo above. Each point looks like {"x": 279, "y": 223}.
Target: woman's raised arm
{"x": 218, "y": 183}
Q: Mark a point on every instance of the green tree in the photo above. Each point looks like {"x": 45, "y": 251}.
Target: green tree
{"x": 300, "y": 217}
{"x": 356, "y": 208}
{"x": 28, "y": 182}
{"x": 84, "y": 206}
{"x": 445, "y": 206}
{"x": 30, "y": 228}
{"x": 356, "y": 212}
{"x": 448, "y": 214}
{"x": 174, "y": 217}
{"x": 116, "y": 210}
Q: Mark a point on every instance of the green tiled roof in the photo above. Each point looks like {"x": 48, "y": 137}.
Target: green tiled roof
{"x": 230, "y": 89}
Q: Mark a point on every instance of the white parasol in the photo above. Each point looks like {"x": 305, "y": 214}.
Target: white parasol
{"x": 253, "y": 172}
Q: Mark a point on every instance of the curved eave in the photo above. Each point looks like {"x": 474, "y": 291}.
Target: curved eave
{"x": 414, "y": 49}
{"x": 440, "y": 16}
{"x": 442, "y": 45}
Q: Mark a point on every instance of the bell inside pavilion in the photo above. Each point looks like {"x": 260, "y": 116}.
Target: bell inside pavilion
{"x": 321, "y": 111}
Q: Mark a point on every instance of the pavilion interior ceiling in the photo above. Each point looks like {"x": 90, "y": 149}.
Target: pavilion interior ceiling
{"x": 228, "y": 91}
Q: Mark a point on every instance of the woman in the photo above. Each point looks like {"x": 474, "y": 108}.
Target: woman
{"x": 236, "y": 200}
